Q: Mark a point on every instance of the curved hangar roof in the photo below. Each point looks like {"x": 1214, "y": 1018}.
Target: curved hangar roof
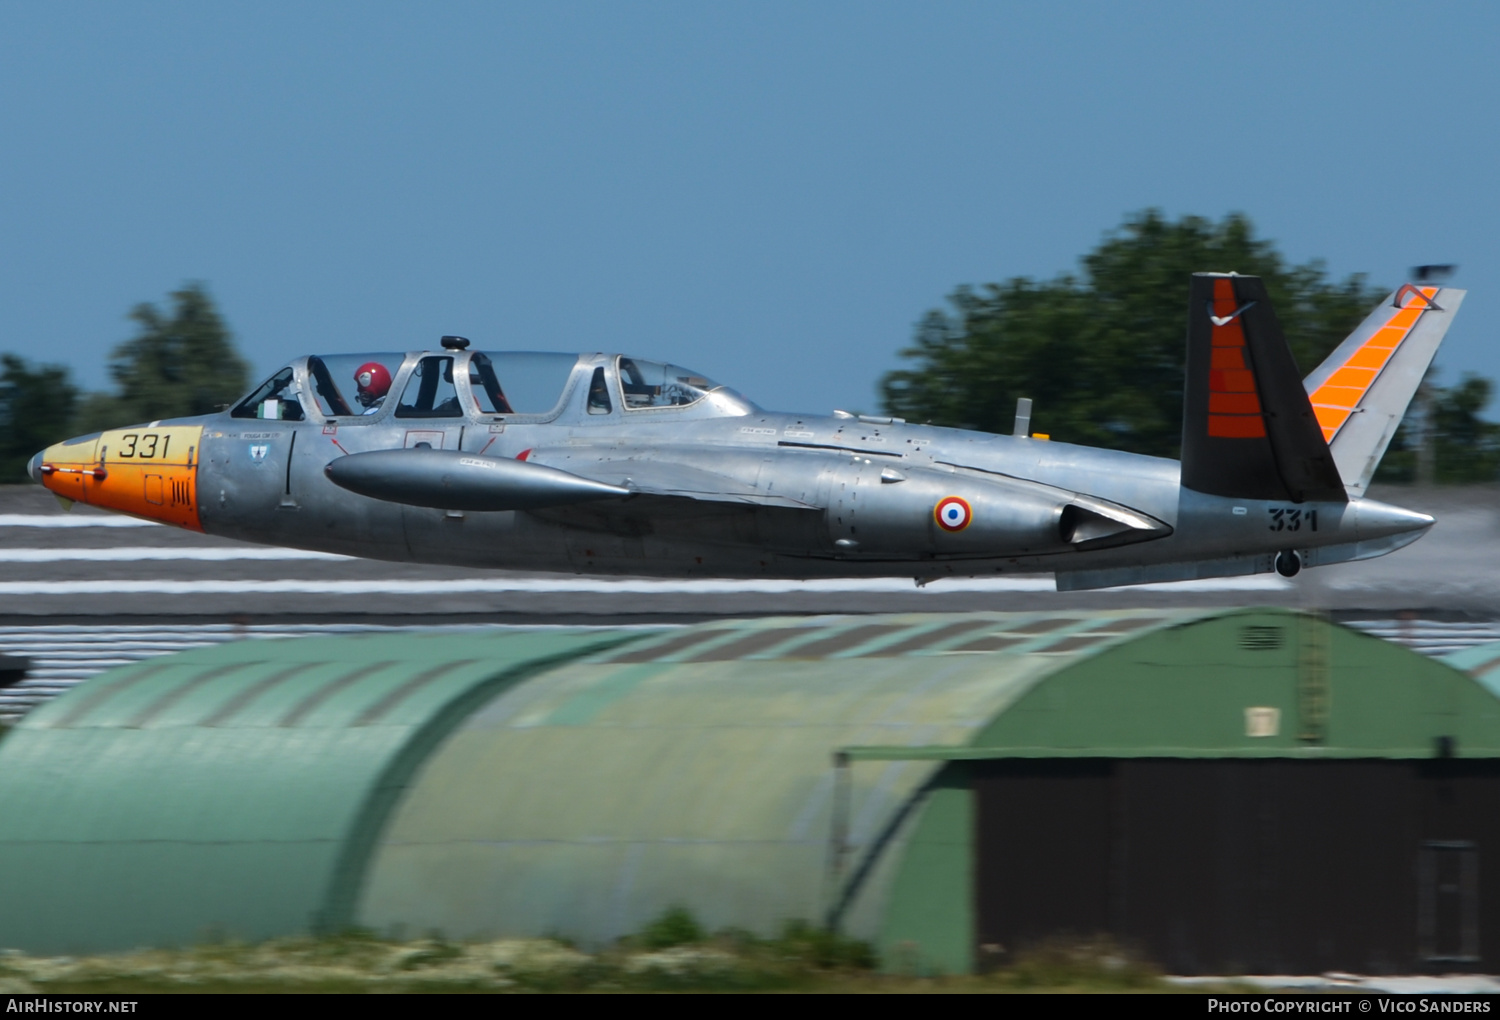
{"x": 233, "y": 789}
{"x": 579, "y": 782}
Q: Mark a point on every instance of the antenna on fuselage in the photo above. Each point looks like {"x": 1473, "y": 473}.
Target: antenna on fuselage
{"x": 1023, "y": 418}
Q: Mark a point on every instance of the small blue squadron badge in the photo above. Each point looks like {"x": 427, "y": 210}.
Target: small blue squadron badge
{"x": 258, "y": 453}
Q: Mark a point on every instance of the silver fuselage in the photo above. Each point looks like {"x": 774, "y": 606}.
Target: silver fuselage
{"x": 716, "y": 488}
{"x": 841, "y": 517}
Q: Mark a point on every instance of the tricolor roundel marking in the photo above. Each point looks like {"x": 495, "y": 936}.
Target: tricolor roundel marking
{"x": 953, "y": 513}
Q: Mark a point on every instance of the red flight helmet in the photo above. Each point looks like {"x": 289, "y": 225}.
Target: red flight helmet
{"x": 374, "y": 381}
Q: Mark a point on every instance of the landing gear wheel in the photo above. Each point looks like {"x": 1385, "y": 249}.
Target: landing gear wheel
{"x": 1288, "y": 563}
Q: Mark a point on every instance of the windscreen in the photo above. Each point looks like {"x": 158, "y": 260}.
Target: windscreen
{"x": 352, "y": 385}
{"x": 519, "y": 382}
{"x": 275, "y": 399}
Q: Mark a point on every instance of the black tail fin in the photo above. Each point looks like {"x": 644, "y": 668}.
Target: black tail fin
{"x": 1248, "y": 428}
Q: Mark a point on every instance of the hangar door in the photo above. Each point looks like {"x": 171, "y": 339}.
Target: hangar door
{"x": 1244, "y": 866}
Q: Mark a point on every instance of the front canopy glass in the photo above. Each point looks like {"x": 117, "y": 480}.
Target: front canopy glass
{"x": 430, "y": 392}
{"x": 352, "y": 385}
{"x": 275, "y": 399}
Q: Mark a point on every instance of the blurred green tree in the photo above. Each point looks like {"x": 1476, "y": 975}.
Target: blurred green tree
{"x": 1465, "y": 447}
{"x": 1101, "y": 353}
{"x": 181, "y": 362}
{"x": 37, "y": 404}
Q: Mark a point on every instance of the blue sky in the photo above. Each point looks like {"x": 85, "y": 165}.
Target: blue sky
{"x": 771, "y": 193}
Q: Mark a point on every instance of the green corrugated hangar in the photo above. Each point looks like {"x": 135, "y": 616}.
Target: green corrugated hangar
{"x": 1233, "y": 791}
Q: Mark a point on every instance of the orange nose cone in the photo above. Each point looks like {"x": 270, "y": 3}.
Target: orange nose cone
{"x": 65, "y": 468}
{"x": 145, "y": 472}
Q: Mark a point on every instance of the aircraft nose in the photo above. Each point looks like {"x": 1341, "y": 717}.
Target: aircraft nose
{"x": 34, "y": 467}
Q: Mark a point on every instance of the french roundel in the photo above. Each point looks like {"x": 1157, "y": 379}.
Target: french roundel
{"x": 953, "y": 513}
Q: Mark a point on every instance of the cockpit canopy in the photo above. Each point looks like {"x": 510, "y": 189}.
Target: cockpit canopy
{"x": 653, "y": 384}
{"x": 276, "y": 398}
{"x": 465, "y": 384}
{"x": 519, "y": 382}
{"x": 336, "y": 385}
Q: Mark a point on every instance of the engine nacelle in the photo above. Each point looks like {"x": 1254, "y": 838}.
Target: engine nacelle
{"x": 880, "y": 510}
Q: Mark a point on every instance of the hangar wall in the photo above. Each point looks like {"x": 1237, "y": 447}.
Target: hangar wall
{"x": 1179, "y": 693}
{"x": 578, "y": 783}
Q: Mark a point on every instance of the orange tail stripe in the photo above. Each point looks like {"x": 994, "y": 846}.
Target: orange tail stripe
{"x": 1234, "y": 410}
{"x": 1231, "y": 381}
{"x": 1341, "y": 396}
{"x": 1341, "y": 392}
{"x": 1227, "y": 357}
{"x": 1330, "y": 419}
{"x": 1370, "y": 357}
{"x": 1233, "y": 403}
{"x": 1359, "y": 377}
{"x": 1386, "y": 339}
{"x": 1223, "y": 426}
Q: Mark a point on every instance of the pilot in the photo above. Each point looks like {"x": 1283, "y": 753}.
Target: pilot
{"x": 599, "y": 394}
{"x": 374, "y": 382}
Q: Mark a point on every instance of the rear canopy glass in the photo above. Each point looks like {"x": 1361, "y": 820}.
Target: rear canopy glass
{"x": 653, "y": 384}
{"x": 519, "y": 382}
{"x": 430, "y": 392}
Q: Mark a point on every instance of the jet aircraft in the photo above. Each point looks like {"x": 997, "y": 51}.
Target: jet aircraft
{"x": 610, "y": 464}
